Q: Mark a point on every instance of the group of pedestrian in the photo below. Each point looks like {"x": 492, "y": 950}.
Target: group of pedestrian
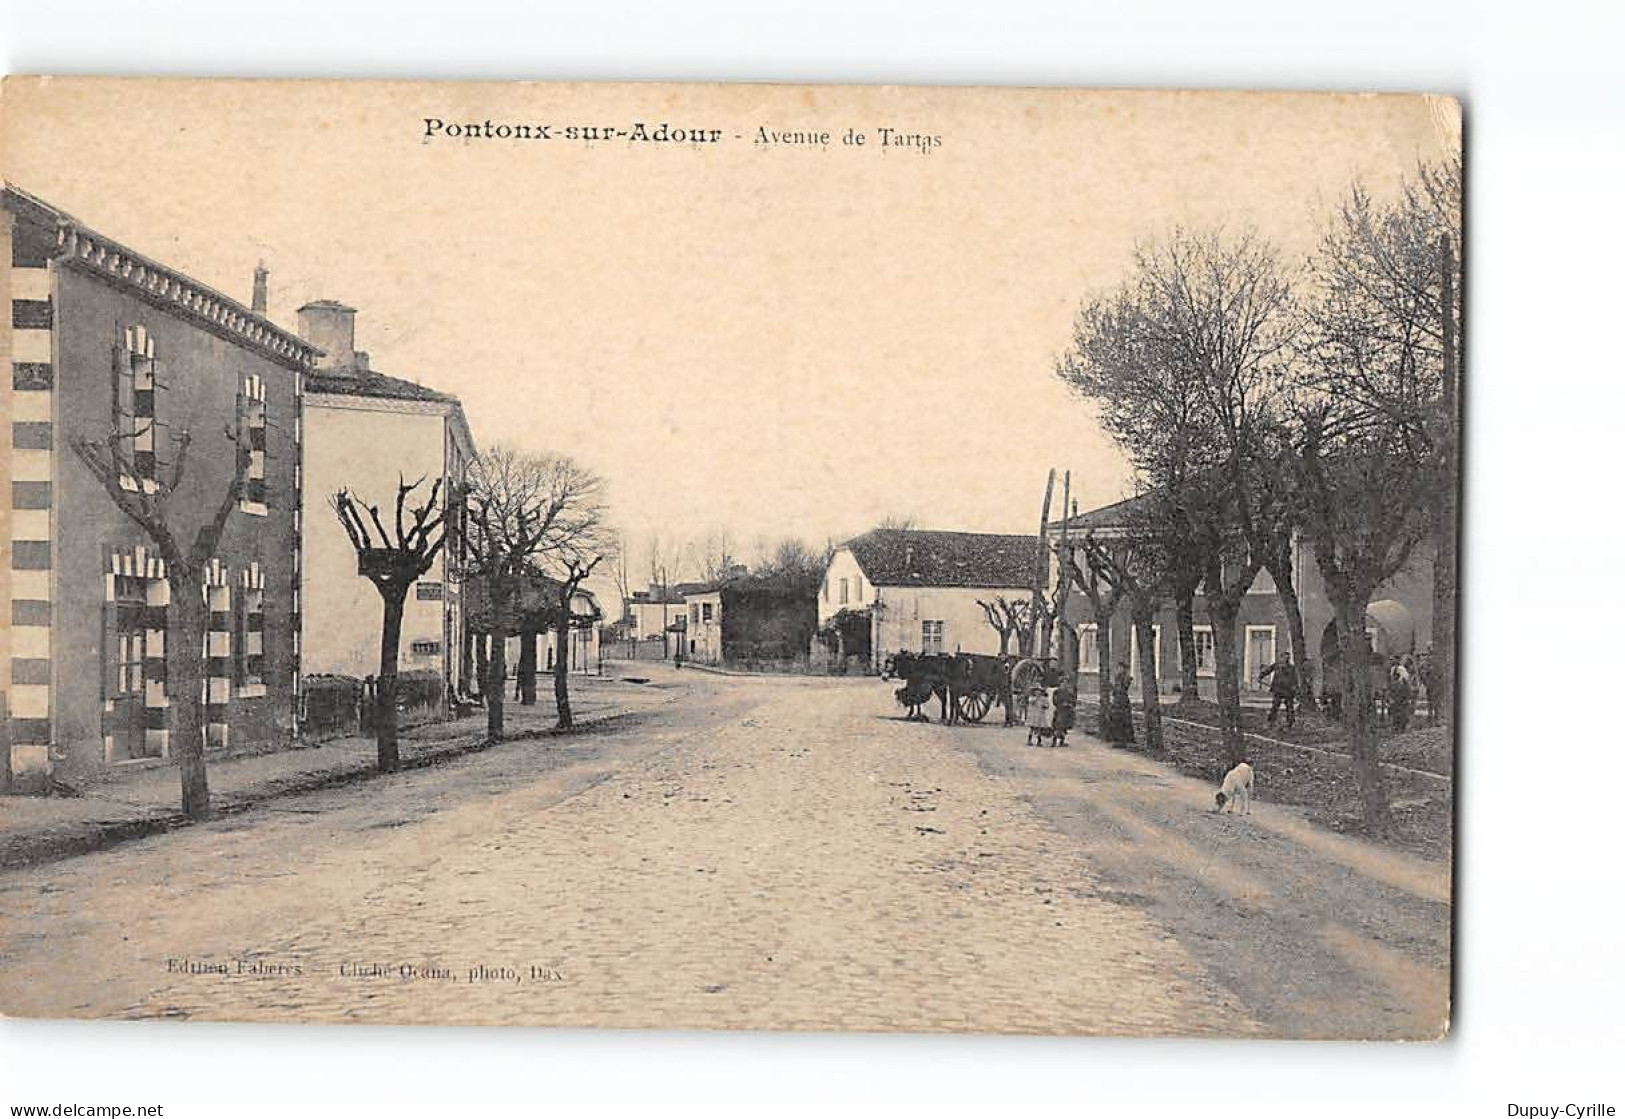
{"x": 1050, "y": 713}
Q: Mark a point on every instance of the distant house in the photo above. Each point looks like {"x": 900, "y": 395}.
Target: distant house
{"x": 651, "y": 613}
{"x": 748, "y": 620}
{"x": 537, "y": 608}
{"x": 704, "y": 628}
{"x": 917, "y": 590}
{"x": 1399, "y": 619}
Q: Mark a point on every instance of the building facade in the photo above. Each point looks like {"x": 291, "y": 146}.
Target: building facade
{"x": 1398, "y": 621}
{"x": 917, "y": 590}
{"x": 653, "y": 612}
{"x": 106, "y": 344}
{"x": 364, "y": 432}
{"x": 704, "y": 634}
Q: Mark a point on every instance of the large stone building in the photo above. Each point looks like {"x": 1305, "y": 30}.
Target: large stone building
{"x": 365, "y": 431}
{"x": 103, "y": 343}
{"x": 1399, "y": 619}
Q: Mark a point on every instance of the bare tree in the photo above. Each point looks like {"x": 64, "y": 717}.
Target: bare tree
{"x": 1188, "y": 362}
{"x": 519, "y": 507}
{"x": 579, "y": 542}
{"x": 1009, "y": 620}
{"x": 1376, "y": 443}
{"x": 1151, "y": 406}
{"x": 155, "y": 511}
{"x": 793, "y": 562}
{"x": 1133, "y": 561}
{"x": 666, "y": 566}
{"x": 1104, "y": 598}
{"x": 621, "y": 572}
{"x": 392, "y": 564}
{"x": 714, "y": 555}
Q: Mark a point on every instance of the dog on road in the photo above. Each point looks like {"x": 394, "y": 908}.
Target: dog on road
{"x": 1237, "y": 790}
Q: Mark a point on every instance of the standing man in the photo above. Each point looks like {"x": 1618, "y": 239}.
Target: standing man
{"x": 1401, "y": 693}
{"x": 1283, "y": 678}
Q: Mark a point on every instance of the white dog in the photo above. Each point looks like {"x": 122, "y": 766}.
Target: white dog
{"x": 1236, "y": 790}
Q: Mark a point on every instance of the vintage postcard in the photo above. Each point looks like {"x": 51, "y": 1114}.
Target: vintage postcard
{"x": 729, "y": 556}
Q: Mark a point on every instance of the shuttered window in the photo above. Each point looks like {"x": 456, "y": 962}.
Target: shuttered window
{"x": 137, "y": 427}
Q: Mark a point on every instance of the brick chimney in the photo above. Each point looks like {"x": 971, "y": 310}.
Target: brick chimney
{"x": 330, "y": 326}
{"x": 262, "y": 279}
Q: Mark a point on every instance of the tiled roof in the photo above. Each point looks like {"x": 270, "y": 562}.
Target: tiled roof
{"x": 652, "y": 597}
{"x": 923, "y": 558}
{"x": 1119, "y": 514}
{"x": 371, "y": 383}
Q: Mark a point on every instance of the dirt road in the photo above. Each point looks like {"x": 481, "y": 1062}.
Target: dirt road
{"x": 756, "y": 853}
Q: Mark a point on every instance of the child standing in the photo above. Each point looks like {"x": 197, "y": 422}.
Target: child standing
{"x": 1038, "y": 715}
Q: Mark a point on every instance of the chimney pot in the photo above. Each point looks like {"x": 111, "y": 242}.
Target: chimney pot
{"x": 262, "y": 277}
{"x": 330, "y": 326}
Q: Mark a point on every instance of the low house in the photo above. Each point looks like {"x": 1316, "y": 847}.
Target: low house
{"x": 653, "y": 611}
{"x": 536, "y": 613}
{"x": 918, "y": 590}
{"x": 1399, "y": 619}
{"x": 703, "y": 635}
{"x": 751, "y": 621}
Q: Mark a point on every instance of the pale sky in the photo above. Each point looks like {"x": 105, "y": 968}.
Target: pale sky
{"x": 774, "y": 341}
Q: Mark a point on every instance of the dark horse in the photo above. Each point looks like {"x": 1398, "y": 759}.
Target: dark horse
{"x": 924, "y": 675}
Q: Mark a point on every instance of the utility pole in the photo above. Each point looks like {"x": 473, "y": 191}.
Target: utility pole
{"x": 1039, "y": 628}
{"x": 1066, "y": 653}
{"x": 1445, "y": 536}
{"x": 665, "y": 616}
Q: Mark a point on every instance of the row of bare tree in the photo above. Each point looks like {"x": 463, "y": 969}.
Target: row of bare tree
{"x": 517, "y": 519}
{"x": 521, "y": 527}
{"x": 1262, "y": 404}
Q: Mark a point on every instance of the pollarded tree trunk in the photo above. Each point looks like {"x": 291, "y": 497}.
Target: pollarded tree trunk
{"x": 561, "y": 667}
{"x": 1286, "y": 592}
{"x": 183, "y": 682}
{"x": 1103, "y": 659}
{"x": 496, "y": 678}
{"x": 1150, "y": 705}
{"x": 1357, "y": 705}
{"x": 1227, "y": 679}
{"x": 385, "y": 718}
{"x": 482, "y": 663}
{"x": 527, "y": 666}
{"x": 467, "y": 663}
{"x": 1185, "y": 620}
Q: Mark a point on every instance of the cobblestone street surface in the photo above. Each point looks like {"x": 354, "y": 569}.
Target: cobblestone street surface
{"x": 750, "y": 853}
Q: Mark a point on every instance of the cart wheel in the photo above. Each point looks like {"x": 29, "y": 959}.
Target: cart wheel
{"x": 1022, "y": 677}
{"x": 974, "y": 706}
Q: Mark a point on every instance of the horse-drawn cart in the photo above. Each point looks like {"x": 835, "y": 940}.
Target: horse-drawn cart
{"x": 968, "y": 685}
